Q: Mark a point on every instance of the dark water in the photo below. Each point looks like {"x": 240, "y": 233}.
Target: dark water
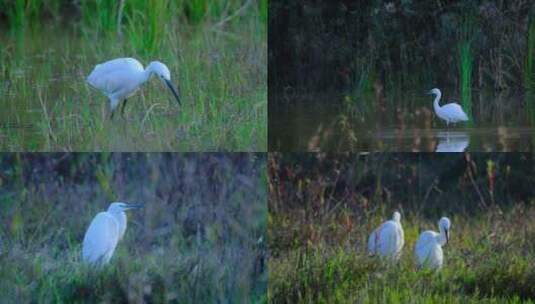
{"x": 401, "y": 123}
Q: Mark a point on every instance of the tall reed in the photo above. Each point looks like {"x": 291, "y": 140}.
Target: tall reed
{"x": 466, "y": 61}
{"x": 22, "y": 13}
{"x": 195, "y": 10}
{"x": 147, "y": 22}
{"x": 100, "y": 16}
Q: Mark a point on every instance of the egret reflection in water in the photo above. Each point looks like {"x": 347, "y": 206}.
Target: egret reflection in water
{"x": 452, "y": 141}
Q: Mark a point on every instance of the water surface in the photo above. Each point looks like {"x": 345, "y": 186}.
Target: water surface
{"x": 338, "y": 122}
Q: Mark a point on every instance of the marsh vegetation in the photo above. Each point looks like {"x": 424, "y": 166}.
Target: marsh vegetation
{"x": 323, "y": 207}
{"x": 199, "y": 238}
{"x": 216, "y": 51}
{"x": 369, "y": 65}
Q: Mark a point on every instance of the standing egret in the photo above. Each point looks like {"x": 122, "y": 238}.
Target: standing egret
{"x": 104, "y": 232}
{"x": 451, "y": 112}
{"x": 387, "y": 240}
{"x": 121, "y": 78}
{"x": 428, "y": 249}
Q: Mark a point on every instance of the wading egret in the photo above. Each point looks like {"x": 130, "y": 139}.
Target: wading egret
{"x": 387, "y": 240}
{"x": 121, "y": 78}
{"x": 104, "y": 232}
{"x": 451, "y": 112}
{"x": 428, "y": 249}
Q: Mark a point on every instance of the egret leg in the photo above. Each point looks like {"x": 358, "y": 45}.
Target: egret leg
{"x": 113, "y": 104}
{"x": 123, "y": 106}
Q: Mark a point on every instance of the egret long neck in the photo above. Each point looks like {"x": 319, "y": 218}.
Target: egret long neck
{"x": 441, "y": 238}
{"x": 435, "y": 103}
{"x": 120, "y": 217}
{"x": 146, "y": 74}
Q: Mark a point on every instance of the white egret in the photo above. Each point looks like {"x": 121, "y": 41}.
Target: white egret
{"x": 388, "y": 239}
{"x": 104, "y": 232}
{"x": 428, "y": 249}
{"x": 121, "y": 78}
{"x": 451, "y": 112}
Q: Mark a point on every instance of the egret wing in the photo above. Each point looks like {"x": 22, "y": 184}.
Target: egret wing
{"x": 388, "y": 245}
{"x": 423, "y": 245}
{"x": 454, "y": 111}
{"x": 103, "y": 74}
{"x": 101, "y": 238}
{"x": 372, "y": 242}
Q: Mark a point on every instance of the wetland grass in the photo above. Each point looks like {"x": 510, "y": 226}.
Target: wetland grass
{"x": 466, "y": 62}
{"x": 192, "y": 243}
{"x": 322, "y": 209}
{"x": 488, "y": 260}
{"x": 220, "y": 65}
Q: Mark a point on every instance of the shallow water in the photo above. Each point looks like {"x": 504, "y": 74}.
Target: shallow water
{"x": 404, "y": 123}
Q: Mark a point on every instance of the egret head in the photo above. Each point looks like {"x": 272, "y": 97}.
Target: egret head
{"x": 118, "y": 207}
{"x": 396, "y": 217}
{"x": 159, "y": 69}
{"x": 444, "y": 225}
{"x": 434, "y": 91}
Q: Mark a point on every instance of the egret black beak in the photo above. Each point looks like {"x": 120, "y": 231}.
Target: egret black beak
{"x": 172, "y": 88}
{"x": 447, "y": 236}
{"x": 429, "y": 92}
{"x": 134, "y": 206}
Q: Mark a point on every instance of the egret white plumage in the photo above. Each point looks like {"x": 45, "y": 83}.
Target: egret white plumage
{"x": 451, "y": 112}
{"x": 104, "y": 232}
{"x": 428, "y": 249}
{"x": 121, "y": 78}
{"x": 388, "y": 239}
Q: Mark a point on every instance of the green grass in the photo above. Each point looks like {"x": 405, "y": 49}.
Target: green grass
{"x": 221, "y": 69}
{"x": 466, "y": 62}
{"x": 100, "y": 16}
{"x": 466, "y": 77}
{"x": 489, "y": 259}
{"x": 195, "y": 241}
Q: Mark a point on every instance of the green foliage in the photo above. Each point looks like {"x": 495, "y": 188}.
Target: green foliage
{"x": 100, "y": 16}
{"x": 466, "y": 62}
{"x": 263, "y": 9}
{"x": 22, "y": 13}
{"x": 147, "y": 22}
{"x": 196, "y": 10}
